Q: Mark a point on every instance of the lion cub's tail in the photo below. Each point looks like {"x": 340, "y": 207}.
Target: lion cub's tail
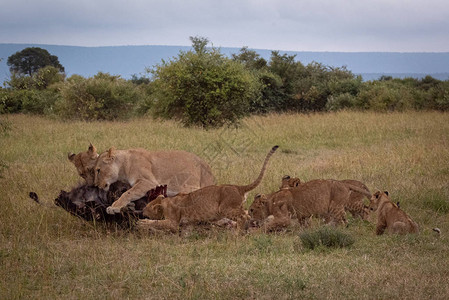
{"x": 246, "y": 188}
{"x": 358, "y": 190}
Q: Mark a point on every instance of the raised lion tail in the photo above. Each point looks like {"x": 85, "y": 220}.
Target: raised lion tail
{"x": 246, "y": 188}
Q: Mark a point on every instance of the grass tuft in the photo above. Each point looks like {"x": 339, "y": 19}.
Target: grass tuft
{"x": 325, "y": 236}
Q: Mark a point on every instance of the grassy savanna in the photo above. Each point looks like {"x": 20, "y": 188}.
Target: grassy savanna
{"x": 47, "y": 253}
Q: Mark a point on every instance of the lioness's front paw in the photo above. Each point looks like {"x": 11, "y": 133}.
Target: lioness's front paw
{"x": 113, "y": 210}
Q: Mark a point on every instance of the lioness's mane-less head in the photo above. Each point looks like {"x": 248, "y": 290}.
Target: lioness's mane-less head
{"x": 106, "y": 169}
{"x": 85, "y": 163}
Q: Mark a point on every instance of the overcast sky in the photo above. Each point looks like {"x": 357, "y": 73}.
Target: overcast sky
{"x": 313, "y": 25}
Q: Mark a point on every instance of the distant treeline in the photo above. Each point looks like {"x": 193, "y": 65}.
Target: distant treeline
{"x": 203, "y": 87}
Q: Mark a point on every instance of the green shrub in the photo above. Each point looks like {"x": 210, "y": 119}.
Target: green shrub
{"x": 28, "y": 101}
{"x": 385, "y": 96}
{"x": 439, "y": 96}
{"x": 325, "y": 236}
{"x": 40, "y": 80}
{"x": 271, "y": 96}
{"x": 102, "y": 97}
{"x": 340, "y": 101}
{"x": 10, "y": 101}
{"x": 203, "y": 88}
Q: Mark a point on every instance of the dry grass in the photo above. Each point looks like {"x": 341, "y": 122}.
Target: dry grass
{"x": 46, "y": 253}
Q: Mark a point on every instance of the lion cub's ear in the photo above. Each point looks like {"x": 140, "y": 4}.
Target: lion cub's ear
{"x": 264, "y": 198}
{"x": 92, "y": 151}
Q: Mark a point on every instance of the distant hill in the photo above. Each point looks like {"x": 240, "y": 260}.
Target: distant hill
{"x": 128, "y": 60}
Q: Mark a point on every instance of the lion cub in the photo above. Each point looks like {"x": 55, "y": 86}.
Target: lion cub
{"x": 323, "y": 198}
{"x": 208, "y": 204}
{"x": 390, "y": 216}
{"x": 270, "y": 215}
{"x": 85, "y": 163}
{"x": 355, "y": 204}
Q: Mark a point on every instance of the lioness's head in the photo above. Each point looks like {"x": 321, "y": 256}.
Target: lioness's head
{"x": 106, "y": 169}
{"x": 259, "y": 210}
{"x": 289, "y": 182}
{"x": 85, "y": 163}
{"x": 377, "y": 198}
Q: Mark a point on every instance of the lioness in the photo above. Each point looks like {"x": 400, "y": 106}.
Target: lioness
{"x": 390, "y": 216}
{"x": 85, "y": 163}
{"x": 208, "y": 204}
{"x": 181, "y": 171}
{"x": 324, "y": 198}
{"x": 355, "y": 205}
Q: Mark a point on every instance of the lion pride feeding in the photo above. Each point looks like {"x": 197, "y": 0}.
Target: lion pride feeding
{"x": 192, "y": 196}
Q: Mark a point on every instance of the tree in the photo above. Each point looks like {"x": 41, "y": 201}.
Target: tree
{"x": 199, "y": 44}
{"x": 30, "y": 60}
{"x": 250, "y": 58}
{"x": 203, "y": 87}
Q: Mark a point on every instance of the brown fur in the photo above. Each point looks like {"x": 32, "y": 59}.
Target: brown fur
{"x": 355, "y": 204}
{"x": 270, "y": 215}
{"x": 323, "y": 198}
{"x": 390, "y": 217}
{"x": 181, "y": 171}
{"x": 208, "y": 204}
{"x": 85, "y": 163}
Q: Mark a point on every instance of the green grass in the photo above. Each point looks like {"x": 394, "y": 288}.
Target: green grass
{"x": 325, "y": 237}
{"x": 47, "y": 253}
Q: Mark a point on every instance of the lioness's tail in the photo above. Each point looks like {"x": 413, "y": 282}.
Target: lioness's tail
{"x": 246, "y": 188}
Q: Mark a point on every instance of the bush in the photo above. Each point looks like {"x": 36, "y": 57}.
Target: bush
{"x": 102, "y": 97}
{"x": 326, "y": 236}
{"x": 439, "y": 96}
{"x": 203, "y": 88}
{"x": 40, "y": 80}
{"x": 10, "y": 101}
{"x": 385, "y": 96}
{"x": 27, "y": 101}
{"x": 271, "y": 96}
{"x": 341, "y": 101}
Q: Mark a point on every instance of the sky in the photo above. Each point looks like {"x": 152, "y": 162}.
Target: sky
{"x": 289, "y": 25}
